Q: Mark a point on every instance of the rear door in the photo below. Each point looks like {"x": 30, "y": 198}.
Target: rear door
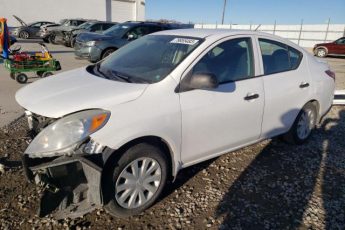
{"x": 286, "y": 81}
{"x": 230, "y": 116}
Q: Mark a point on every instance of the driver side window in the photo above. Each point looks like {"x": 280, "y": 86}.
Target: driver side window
{"x": 138, "y": 32}
{"x": 341, "y": 41}
{"x": 229, "y": 61}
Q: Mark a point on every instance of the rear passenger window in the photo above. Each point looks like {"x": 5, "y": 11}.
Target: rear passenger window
{"x": 278, "y": 57}
{"x": 229, "y": 61}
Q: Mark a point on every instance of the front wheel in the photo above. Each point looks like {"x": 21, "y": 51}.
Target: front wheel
{"x": 136, "y": 180}
{"x": 24, "y": 34}
{"x": 22, "y": 78}
{"x": 303, "y": 126}
{"x": 107, "y": 52}
{"x": 52, "y": 39}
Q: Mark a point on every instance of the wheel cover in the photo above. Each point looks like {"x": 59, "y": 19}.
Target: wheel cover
{"x": 21, "y": 78}
{"x": 24, "y": 34}
{"x": 305, "y": 124}
{"x": 321, "y": 53}
{"x": 138, "y": 182}
{"x": 107, "y": 53}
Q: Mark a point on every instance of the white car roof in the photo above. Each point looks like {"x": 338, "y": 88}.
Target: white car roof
{"x": 215, "y": 34}
{"x": 203, "y": 33}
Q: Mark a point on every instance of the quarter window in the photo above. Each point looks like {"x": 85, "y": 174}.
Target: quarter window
{"x": 278, "y": 57}
{"x": 229, "y": 61}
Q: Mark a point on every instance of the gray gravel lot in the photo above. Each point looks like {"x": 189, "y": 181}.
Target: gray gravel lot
{"x": 269, "y": 185}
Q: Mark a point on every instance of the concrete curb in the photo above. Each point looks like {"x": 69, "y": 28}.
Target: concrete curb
{"x": 339, "y": 97}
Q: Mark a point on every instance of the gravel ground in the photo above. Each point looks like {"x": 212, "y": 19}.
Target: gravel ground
{"x": 269, "y": 185}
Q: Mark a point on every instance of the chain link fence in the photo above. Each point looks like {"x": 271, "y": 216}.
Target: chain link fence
{"x": 305, "y": 35}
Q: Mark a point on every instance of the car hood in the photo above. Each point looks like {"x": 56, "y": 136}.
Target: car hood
{"x": 20, "y": 21}
{"x": 73, "y": 91}
{"x": 90, "y": 36}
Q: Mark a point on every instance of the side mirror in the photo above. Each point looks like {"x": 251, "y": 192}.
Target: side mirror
{"x": 130, "y": 37}
{"x": 203, "y": 81}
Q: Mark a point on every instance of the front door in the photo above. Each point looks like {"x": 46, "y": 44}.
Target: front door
{"x": 215, "y": 121}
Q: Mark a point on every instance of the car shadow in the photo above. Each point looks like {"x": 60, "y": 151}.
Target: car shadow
{"x": 274, "y": 191}
{"x": 183, "y": 177}
{"x": 30, "y": 40}
{"x": 61, "y": 51}
{"x": 333, "y": 173}
{"x": 335, "y": 57}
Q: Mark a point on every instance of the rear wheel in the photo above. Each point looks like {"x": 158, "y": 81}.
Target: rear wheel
{"x": 47, "y": 74}
{"x": 73, "y": 40}
{"x": 321, "y": 52}
{"x": 22, "y": 78}
{"x": 24, "y": 34}
{"x": 136, "y": 180}
{"x": 39, "y": 73}
{"x": 303, "y": 125}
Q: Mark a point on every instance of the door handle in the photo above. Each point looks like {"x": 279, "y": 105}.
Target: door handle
{"x": 304, "y": 85}
{"x": 251, "y": 96}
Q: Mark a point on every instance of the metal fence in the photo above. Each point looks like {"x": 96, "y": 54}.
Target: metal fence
{"x": 306, "y": 35}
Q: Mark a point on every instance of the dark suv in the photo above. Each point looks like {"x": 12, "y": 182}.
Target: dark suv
{"x": 94, "y": 47}
{"x": 332, "y": 48}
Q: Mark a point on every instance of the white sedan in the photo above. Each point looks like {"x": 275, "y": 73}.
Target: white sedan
{"x": 112, "y": 134}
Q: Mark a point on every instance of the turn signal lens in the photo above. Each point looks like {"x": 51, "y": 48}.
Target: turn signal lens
{"x": 98, "y": 121}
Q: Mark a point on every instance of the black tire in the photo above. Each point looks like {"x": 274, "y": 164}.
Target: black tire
{"x": 21, "y": 78}
{"x": 293, "y": 136}
{"x": 107, "y": 52}
{"x": 39, "y": 73}
{"x": 24, "y": 34}
{"x": 45, "y": 40}
{"x": 136, "y": 152}
{"x": 13, "y": 76}
{"x": 73, "y": 40}
{"x": 47, "y": 74}
{"x": 51, "y": 39}
{"x": 321, "y": 52}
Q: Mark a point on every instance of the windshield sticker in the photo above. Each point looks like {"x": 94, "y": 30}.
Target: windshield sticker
{"x": 186, "y": 41}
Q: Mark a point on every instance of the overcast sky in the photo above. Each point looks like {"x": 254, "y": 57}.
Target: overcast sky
{"x": 247, "y": 11}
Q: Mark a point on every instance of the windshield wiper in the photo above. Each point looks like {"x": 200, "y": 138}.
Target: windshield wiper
{"x": 121, "y": 76}
{"x": 127, "y": 78}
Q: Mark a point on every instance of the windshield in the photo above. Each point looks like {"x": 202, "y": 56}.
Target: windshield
{"x": 146, "y": 60}
{"x": 117, "y": 30}
{"x": 85, "y": 25}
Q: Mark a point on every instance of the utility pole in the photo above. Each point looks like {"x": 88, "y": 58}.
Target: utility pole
{"x": 223, "y": 12}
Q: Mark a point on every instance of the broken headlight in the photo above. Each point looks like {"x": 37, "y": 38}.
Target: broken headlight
{"x": 64, "y": 135}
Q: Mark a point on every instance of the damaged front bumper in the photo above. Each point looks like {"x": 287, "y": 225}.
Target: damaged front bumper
{"x": 72, "y": 184}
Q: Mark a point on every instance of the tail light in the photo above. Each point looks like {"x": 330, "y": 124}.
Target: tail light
{"x": 330, "y": 73}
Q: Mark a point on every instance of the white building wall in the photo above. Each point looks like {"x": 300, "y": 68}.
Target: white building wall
{"x": 54, "y": 10}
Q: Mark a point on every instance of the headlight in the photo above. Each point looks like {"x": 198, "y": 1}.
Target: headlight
{"x": 91, "y": 43}
{"x": 65, "y": 134}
